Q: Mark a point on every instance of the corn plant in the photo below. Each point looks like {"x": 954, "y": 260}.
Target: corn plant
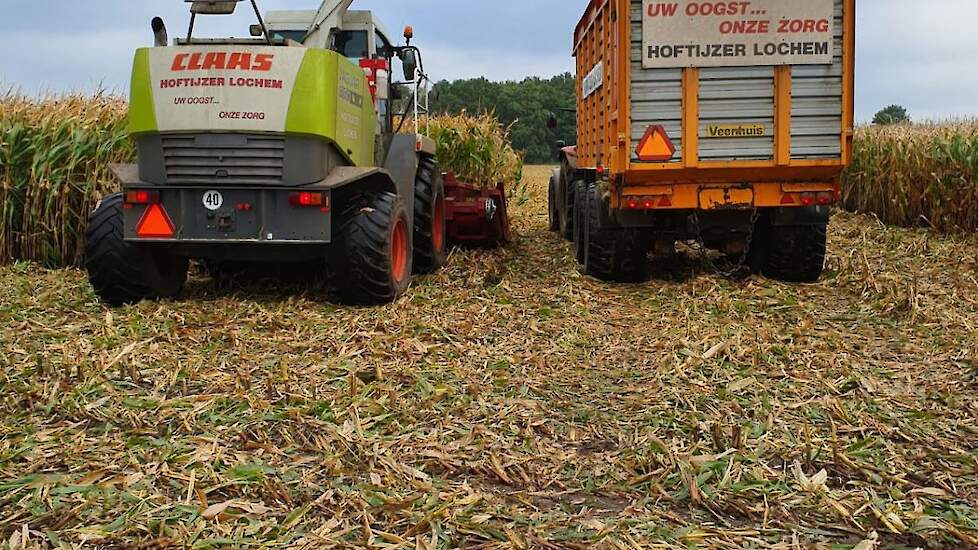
{"x": 916, "y": 175}
{"x": 54, "y": 158}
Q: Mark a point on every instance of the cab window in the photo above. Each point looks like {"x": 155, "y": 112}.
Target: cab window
{"x": 353, "y": 44}
{"x": 382, "y": 45}
{"x": 298, "y": 36}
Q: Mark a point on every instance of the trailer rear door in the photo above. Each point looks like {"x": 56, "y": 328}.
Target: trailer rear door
{"x": 760, "y": 81}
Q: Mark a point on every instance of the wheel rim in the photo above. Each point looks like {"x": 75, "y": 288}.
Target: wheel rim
{"x": 399, "y": 250}
{"x": 438, "y": 225}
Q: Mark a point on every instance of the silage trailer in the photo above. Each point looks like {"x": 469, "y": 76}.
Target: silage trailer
{"x": 725, "y": 123}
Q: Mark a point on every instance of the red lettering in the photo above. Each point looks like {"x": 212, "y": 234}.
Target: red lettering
{"x": 663, "y": 10}
{"x": 745, "y": 27}
{"x": 194, "y": 64}
{"x": 263, "y": 62}
{"x": 706, "y": 9}
{"x": 179, "y": 62}
{"x": 786, "y": 26}
{"x": 240, "y": 61}
{"x": 215, "y": 60}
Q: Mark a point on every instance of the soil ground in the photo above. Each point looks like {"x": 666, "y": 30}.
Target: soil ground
{"x": 506, "y": 402}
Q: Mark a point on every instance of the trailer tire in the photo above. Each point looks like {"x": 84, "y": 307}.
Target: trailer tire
{"x": 580, "y": 201}
{"x": 793, "y": 254}
{"x": 125, "y": 273}
{"x": 372, "y": 256}
{"x": 565, "y": 202}
{"x": 612, "y": 255}
{"x": 430, "y": 227}
{"x": 553, "y": 213}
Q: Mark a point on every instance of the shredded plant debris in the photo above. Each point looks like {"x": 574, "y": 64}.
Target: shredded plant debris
{"x": 505, "y": 403}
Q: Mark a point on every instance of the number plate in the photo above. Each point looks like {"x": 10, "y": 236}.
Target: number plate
{"x": 718, "y": 198}
{"x": 213, "y": 200}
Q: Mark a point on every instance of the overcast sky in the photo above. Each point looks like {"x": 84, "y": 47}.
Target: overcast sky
{"x": 920, "y": 54}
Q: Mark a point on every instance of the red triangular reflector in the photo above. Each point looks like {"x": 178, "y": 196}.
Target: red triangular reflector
{"x": 787, "y": 199}
{"x": 665, "y": 202}
{"x": 656, "y": 145}
{"x": 155, "y": 224}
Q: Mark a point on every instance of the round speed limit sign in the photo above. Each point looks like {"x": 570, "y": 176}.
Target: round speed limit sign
{"x": 213, "y": 200}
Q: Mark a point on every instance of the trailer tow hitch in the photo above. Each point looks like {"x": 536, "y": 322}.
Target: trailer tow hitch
{"x": 733, "y": 268}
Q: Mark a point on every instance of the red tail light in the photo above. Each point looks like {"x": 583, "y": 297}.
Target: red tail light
{"x": 155, "y": 224}
{"x": 633, "y": 204}
{"x": 142, "y": 196}
{"x": 825, "y": 199}
{"x": 306, "y": 198}
{"x": 807, "y": 199}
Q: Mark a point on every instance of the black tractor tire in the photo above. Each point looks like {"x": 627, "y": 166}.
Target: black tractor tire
{"x": 372, "y": 250}
{"x": 793, "y": 254}
{"x": 580, "y": 203}
{"x": 553, "y": 213}
{"x": 126, "y": 273}
{"x": 566, "y": 211}
{"x": 430, "y": 227}
{"x": 612, "y": 255}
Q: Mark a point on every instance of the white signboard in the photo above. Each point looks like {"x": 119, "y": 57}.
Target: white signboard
{"x": 223, "y": 87}
{"x": 594, "y": 80}
{"x": 697, "y": 33}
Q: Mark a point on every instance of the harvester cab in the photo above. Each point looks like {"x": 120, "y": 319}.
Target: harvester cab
{"x": 282, "y": 148}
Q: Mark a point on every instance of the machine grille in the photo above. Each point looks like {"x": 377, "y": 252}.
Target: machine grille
{"x": 224, "y": 159}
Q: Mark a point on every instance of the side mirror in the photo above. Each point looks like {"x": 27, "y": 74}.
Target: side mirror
{"x": 256, "y": 31}
{"x": 552, "y": 121}
{"x": 160, "y": 37}
{"x": 410, "y": 61}
{"x": 213, "y": 7}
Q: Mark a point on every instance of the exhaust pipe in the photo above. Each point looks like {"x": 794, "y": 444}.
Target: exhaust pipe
{"x": 161, "y": 39}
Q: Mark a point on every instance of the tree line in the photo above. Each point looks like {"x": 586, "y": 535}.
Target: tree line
{"x": 524, "y": 107}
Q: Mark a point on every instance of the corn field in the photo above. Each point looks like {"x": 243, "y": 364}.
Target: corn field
{"x": 55, "y": 155}
{"x": 54, "y": 159}
{"x": 916, "y": 175}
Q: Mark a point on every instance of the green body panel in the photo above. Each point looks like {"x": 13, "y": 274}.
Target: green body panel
{"x": 142, "y": 114}
{"x": 331, "y": 99}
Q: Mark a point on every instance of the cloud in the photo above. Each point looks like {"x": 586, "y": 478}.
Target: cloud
{"x": 69, "y": 61}
{"x": 448, "y": 63}
{"x": 921, "y": 55}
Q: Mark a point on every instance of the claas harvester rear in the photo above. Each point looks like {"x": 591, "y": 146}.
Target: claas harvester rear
{"x": 292, "y": 146}
{"x": 727, "y": 124}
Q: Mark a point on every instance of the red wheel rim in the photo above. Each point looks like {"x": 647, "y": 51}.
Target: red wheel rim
{"x": 399, "y": 250}
{"x": 438, "y": 222}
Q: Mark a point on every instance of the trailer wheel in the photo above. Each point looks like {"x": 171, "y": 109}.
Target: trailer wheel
{"x": 373, "y": 257}
{"x": 793, "y": 254}
{"x": 580, "y": 201}
{"x": 612, "y": 255}
{"x": 553, "y": 213}
{"x": 565, "y": 202}
{"x": 430, "y": 229}
{"x": 125, "y": 273}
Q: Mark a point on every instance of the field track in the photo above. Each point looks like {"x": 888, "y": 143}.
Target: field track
{"x": 507, "y": 402}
